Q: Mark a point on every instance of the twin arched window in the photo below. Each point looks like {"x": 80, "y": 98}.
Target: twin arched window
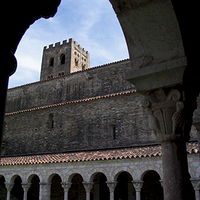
{"x": 62, "y": 60}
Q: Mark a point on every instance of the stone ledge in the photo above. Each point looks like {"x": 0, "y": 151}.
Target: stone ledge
{"x": 155, "y": 76}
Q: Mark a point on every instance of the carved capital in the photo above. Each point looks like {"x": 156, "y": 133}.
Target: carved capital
{"x": 26, "y": 186}
{"x": 9, "y": 186}
{"x": 165, "y": 114}
{"x": 196, "y": 184}
{"x": 138, "y": 185}
{"x": 88, "y": 185}
{"x": 66, "y": 186}
{"x": 111, "y": 185}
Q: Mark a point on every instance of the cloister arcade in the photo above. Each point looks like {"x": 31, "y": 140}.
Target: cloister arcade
{"x": 118, "y": 179}
{"x": 125, "y": 187}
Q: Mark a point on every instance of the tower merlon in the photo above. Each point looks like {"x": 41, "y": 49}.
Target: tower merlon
{"x": 57, "y": 45}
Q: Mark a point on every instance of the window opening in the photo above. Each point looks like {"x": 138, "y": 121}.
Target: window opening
{"x": 76, "y": 62}
{"x": 62, "y": 59}
{"x": 51, "y": 62}
{"x": 114, "y": 131}
{"x": 51, "y": 121}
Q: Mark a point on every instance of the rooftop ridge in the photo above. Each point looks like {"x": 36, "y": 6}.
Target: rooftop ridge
{"x": 72, "y": 102}
{"x": 70, "y": 74}
{"x": 95, "y": 155}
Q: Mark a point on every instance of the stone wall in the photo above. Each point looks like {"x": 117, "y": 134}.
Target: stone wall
{"x": 93, "y": 82}
{"x": 106, "y": 122}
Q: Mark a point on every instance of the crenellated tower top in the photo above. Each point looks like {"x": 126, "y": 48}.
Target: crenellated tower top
{"x": 63, "y": 58}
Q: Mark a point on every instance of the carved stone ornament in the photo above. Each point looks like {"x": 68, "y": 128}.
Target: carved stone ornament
{"x": 165, "y": 114}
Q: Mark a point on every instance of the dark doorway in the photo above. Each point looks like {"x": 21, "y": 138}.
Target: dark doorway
{"x": 3, "y": 190}
{"x": 33, "y": 192}
{"x": 124, "y": 189}
{"x": 17, "y": 190}
{"x": 151, "y": 189}
{"x": 100, "y": 190}
{"x": 77, "y": 190}
{"x": 57, "y": 191}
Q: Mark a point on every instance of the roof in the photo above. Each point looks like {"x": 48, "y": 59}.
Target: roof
{"x": 111, "y": 154}
{"x": 74, "y": 102}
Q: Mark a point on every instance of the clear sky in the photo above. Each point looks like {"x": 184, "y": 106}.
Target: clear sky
{"x": 91, "y": 23}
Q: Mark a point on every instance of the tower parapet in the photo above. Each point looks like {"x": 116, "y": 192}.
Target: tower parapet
{"x": 63, "y": 58}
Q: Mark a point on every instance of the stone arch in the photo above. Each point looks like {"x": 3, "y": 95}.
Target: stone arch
{"x": 124, "y": 188}
{"x": 152, "y": 188}
{"x": 73, "y": 172}
{"x": 56, "y": 190}
{"x": 118, "y": 171}
{"x": 77, "y": 190}
{"x": 93, "y": 173}
{"x": 147, "y": 168}
{"x": 30, "y": 177}
{"x": 33, "y": 191}
{"x": 3, "y": 190}
{"x": 100, "y": 189}
{"x": 17, "y": 190}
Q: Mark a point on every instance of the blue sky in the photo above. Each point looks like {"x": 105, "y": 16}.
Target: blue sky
{"x": 91, "y": 23}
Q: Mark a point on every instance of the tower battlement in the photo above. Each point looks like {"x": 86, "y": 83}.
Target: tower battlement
{"x": 63, "y": 58}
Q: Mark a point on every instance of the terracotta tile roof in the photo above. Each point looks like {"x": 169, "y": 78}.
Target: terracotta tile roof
{"x": 112, "y": 154}
{"x": 75, "y": 101}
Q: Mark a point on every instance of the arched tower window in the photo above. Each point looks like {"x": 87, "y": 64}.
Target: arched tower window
{"x": 51, "y": 62}
{"x": 62, "y": 59}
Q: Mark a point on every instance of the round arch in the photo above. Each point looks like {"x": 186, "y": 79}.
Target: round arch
{"x": 124, "y": 188}
{"x": 77, "y": 190}
{"x": 94, "y": 172}
{"x": 31, "y": 176}
{"x": 33, "y": 191}
{"x": 3, "y": 190}
{"x": 17, "y": 190}
{"x": 147, "y": 168}
{"x": 151, "y": 189}
{"x": 100, "y": 189}
{"x": 56, "y": 191}
{"x": 52, "y": 174}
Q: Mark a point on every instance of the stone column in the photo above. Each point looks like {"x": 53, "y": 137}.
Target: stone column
{"x": 196, "y": 185}
{"x": 196, "y": 122}
{"x": 88, "y": 186}
{"x": 166, "y": 116}
{"x": 44, "y": 191}
{"x": 112, "y": 185}
{"x": 25, "y": 186}
{"x": 66, "y": 187}
{"x": 138, "y": 186}
{"x": 9, "y": 187}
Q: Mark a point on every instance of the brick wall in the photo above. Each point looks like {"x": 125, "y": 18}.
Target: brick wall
{"x": 107, "y": 122}
{"x": 93, "y": 82}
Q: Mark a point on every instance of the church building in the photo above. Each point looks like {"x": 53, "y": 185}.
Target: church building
{"x": 80, "y": 133}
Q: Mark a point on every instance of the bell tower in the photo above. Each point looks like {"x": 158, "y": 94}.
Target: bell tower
{"x": 65, "y": 58}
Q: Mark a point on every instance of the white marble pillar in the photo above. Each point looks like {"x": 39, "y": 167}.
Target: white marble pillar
{"x": 9, "y": 187}
{"x": 66, "y": 187}
{"x": 196, "y": 186}
{"x": 25, "y": 186}
{"x": 88, "y": 186}
{"x": 45, "y": 191}
{"x": 138, "y": 186}
{"x": 111, "y": 185}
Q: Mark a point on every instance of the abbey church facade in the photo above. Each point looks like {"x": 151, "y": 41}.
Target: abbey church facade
{"x": 80, "y": 133}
